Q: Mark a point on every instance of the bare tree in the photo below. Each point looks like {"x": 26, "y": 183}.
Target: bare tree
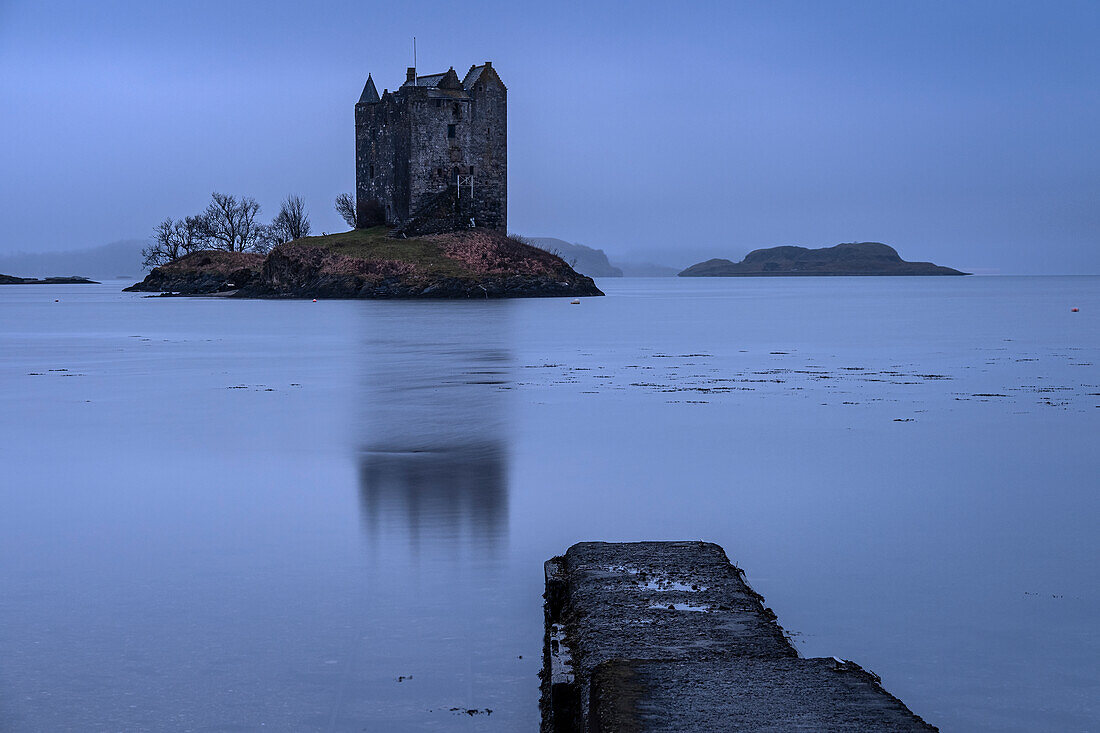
{"x": 254, "y": 236}
{"x": 278, "y": 232}
{"x": 345, "y": 207}
{"x": 292, "y": 222}
{"x": 221, "y": 213}
{"x": 162, "y": 246}
{"x": 174, "y": 238}
{"x": 265, "y": 237}
{"x": 232, "y": 224}
{"x": 193, "y": 233}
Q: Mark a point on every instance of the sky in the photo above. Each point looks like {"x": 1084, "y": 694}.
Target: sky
{"x": 963, "y": 133}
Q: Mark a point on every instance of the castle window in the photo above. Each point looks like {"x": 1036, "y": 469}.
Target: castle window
{"x": 471, "y": 170}
{"x": 372, "y": 171}
{"x": 451, "y": 130}
{"x": 439, "y": 103}
{"x": 454, "y": 172}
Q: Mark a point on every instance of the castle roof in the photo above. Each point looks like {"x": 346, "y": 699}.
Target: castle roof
{"x": 370, "y": 92}
{"x": 477, "y": 74}
{"x": 446, "y": 84}
{"x": 428, "y": 80}
{"x": 440, "y": 86}
{"x": 473, "y": 75}
{"x": 447, "y": 80}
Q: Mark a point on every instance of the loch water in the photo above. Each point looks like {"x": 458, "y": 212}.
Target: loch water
{"x": 222, "y": 515}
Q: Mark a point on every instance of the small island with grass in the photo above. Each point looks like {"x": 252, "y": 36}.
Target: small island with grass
{"x": 369, "y": 263}
{"x": 854, "y": 258}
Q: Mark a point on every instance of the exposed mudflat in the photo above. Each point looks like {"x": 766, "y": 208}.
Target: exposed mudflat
{"x": 982, "y": 375}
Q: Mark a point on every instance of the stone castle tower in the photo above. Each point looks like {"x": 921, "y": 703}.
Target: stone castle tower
{"x": 433, "y": 156}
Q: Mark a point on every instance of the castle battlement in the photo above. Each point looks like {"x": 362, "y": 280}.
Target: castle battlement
{"x": 432, "y": 156}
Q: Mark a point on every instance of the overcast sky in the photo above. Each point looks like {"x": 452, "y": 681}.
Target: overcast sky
{"x": 966, "y": 133}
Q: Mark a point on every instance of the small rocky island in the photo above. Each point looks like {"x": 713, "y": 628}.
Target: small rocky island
{"x": 67, "y": 280}
{"x": 369, "y": 263}
{"x": 856, "y": 258}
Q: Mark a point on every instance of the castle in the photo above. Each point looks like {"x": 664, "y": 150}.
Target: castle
{"x": 433, "y": 156}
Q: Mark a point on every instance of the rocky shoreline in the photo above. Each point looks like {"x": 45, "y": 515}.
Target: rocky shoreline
{"x": 367, "y": 264}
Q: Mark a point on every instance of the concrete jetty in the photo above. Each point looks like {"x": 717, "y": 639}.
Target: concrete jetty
{"x": 668, "y": 636}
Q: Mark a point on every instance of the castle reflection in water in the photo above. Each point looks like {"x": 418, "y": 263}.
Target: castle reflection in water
{"x": 433, "y": 464}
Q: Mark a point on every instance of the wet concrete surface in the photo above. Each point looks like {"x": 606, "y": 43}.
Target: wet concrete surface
{"x": 668, "y": 636}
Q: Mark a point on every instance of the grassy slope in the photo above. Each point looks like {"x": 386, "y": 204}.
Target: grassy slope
{"x": 375, "y": 244}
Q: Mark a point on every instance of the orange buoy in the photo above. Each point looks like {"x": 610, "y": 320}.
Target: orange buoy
{"x": 1075, "y": 309}
{"x": 314, "y": 300}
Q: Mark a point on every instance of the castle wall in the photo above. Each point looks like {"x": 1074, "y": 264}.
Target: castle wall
{"x": 381, "y": 159}
{"x": 435, "y": 158}
{"x": 488, "y": 152}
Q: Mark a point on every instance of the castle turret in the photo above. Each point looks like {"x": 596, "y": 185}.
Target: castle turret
{"x": 370, "y": 92}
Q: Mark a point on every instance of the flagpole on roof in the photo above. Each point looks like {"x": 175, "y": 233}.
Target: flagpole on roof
{"x": 414, "y": 61}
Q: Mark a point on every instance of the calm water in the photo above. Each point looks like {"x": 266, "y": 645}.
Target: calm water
{"x": 294, "y": 516}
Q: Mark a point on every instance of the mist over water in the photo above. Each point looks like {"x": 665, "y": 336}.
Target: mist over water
{"x": 235, "y": 515}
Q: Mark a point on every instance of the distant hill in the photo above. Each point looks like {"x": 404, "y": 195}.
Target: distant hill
{"x": 117, "y": 259}
{"x": 585, "y": 260}
{"x": 646, "y": 269}
{"x": 856, "y": 258}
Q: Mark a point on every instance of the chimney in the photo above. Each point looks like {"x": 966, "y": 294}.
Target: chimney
{"x": 410, "y": 75}
{"x": 488, "y": 64}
